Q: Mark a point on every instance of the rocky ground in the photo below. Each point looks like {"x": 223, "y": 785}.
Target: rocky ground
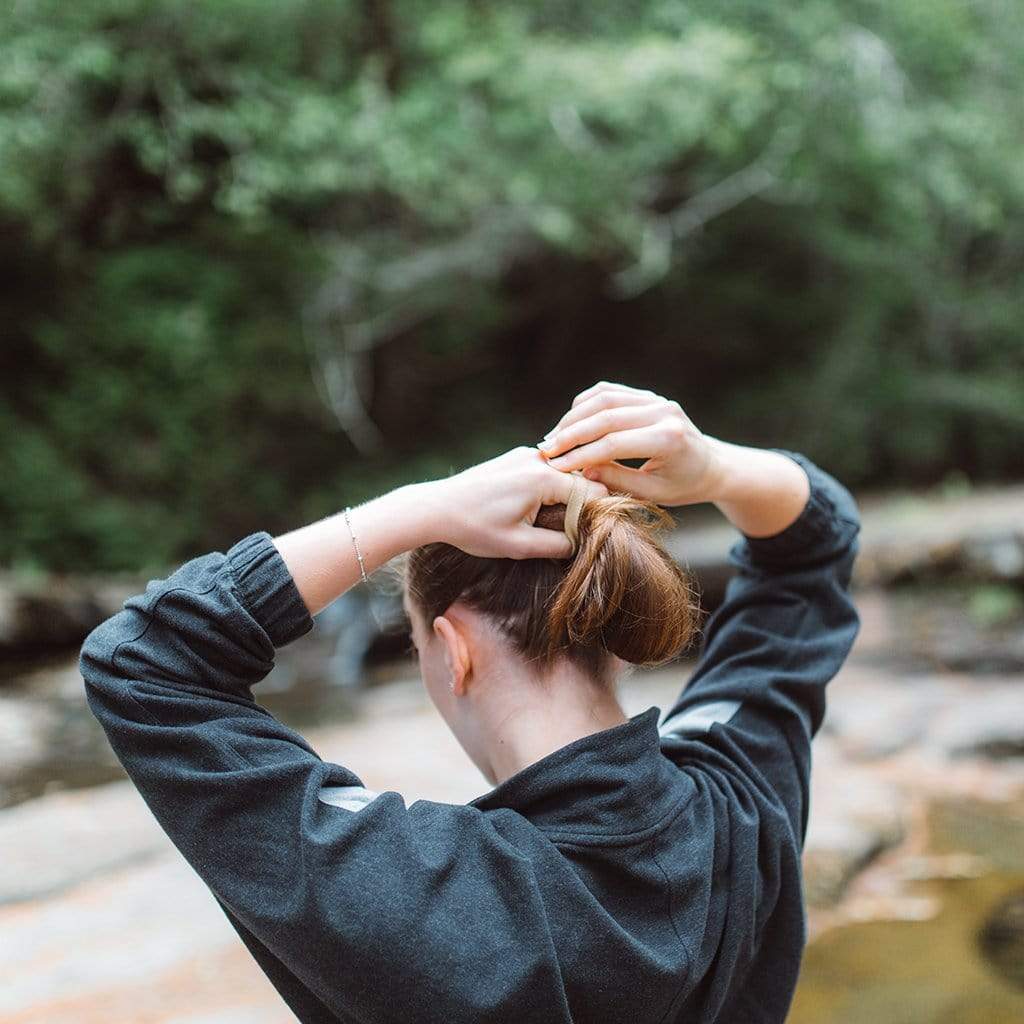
{"x": 102, "y": 920}
{"x": 917, "y": 810}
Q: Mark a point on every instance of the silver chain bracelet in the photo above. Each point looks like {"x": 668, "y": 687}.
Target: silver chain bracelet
{"x": 355, "y": 544}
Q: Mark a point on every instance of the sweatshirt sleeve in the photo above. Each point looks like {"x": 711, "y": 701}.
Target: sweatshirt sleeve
{"x": 785, "y": 627}
{"x": 332, "y": 888}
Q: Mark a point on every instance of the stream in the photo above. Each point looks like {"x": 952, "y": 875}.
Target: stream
{"x": 962, "y": 964}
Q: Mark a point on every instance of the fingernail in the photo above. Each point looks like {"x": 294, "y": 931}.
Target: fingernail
{"x": 546, "y": 445}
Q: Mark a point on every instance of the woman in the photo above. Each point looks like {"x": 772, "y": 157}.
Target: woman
{"x": 618, "y": 870}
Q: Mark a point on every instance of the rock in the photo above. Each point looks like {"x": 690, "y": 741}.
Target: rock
{"x": 906, "y": 560}
{"x": 145, "y": 942}
{"x": 25, "y": 729}
{"x": 60, "y": 839}
{"x": 998, "y": 556}
{"x": 871, "y": 718}
{"x": 854, "y": 817}
{"x": 49, "y": 736}
{"x": 56, "y": 612}
{"x": 965, "y": 650}
{"x": 990, "y": 726}
{"x": 963, "y": 627}
{"x": 1001, "y": 940}
{"x": 892, "y": 907}
{"x": 928, "y": 867}
{"x": 976, "y": 536}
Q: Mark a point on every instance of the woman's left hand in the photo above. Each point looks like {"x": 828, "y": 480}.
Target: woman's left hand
{"x": 489, "y": 509}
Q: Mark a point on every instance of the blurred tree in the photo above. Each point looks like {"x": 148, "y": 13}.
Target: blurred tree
{"x": 263, "y": 257}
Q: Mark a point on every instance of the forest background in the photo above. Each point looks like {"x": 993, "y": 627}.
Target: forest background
{"x": 259, "y": 260}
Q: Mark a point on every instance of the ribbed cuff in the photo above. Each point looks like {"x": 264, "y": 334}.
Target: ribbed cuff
{"x": 266, "y": 588}
{"x": 830, "y": 510}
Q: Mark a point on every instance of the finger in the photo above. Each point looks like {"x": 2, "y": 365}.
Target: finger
{"x": 559, "y": 485}
{"x": 604, "y": 385}
{"x": 639, "y": 443}
{"x": 604, "y": 421}
{"x": 602, "y": 400}
{"x": 624, "y": 480}
{"x": 540, "y": 542}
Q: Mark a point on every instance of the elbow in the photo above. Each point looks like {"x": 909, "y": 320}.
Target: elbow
{"x": 846, "y": 507}
{"x": 847, "y": 526}
{"x": 107, "y": 689}
{"x": 96, "y": 656}
{"x": 846, "y": 620}
{"x": 95, "y": 651}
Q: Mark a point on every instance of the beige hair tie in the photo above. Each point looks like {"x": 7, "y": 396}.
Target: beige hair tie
{"x": 573, "y": 506}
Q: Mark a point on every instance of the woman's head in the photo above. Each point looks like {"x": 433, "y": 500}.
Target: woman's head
{"x": 620, "y": 598}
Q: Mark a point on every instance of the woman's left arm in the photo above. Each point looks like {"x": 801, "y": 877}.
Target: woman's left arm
{"x": 329, "y": 890}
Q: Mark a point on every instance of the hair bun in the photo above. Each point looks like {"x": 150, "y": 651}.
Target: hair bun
{"x": 623, "y": 591}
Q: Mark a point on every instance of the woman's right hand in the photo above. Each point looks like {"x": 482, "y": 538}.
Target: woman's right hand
{"x": 613, "y": 421}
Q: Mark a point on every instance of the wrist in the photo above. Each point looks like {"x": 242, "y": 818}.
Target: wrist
{"x": 398, "y": 521}
{"x": 327, "y": 557}
{"x": 720, "y": 471}
{"x": 759, "y": 490}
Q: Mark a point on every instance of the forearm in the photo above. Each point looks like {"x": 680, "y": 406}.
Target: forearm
{"x": 487, "y": 510}
{"x": 322, "y": 559}
{"x": 761, "y": 492}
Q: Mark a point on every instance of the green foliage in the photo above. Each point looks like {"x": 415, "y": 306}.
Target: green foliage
{"x": 261, "y": 258}
{"x": 995, "y": 605}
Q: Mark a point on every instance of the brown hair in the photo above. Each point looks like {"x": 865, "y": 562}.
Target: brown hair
{"x": 621, "y": 593}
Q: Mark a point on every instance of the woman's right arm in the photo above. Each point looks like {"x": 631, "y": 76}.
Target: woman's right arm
{"x": 756, "y": 697}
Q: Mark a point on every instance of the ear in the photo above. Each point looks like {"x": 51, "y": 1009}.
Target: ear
{"x": 456, "y": 653}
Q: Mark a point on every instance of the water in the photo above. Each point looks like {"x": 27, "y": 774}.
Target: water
{"x": 933, "y": 971}
{"x": 52, "y": 741}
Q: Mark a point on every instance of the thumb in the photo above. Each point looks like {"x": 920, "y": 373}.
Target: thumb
{"x": 621, "y": 478}
{"x": 540, "y": 542}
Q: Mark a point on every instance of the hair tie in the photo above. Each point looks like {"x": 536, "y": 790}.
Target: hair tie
{"x": 572, "y": 509}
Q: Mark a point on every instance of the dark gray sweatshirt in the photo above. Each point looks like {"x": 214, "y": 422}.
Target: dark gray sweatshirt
{"x": 646, "y": 873}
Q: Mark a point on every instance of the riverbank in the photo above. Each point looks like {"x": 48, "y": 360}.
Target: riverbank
{"x": 98, "y": 912}
{"x": 914, "y": 862}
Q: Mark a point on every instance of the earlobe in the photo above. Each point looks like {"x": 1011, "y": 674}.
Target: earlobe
{"x": 456, "y": 654}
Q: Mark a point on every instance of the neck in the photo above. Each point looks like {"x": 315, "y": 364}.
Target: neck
{"x": 531, "y": 718}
